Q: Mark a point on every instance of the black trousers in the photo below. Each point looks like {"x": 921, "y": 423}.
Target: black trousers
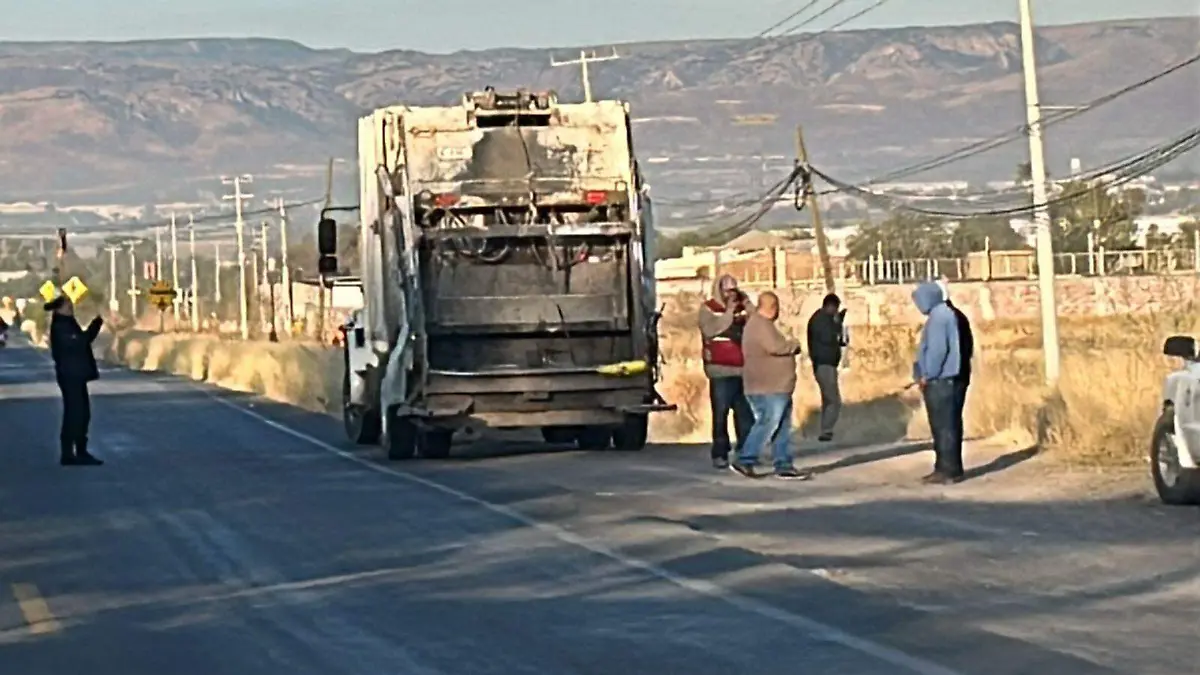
{"x": 77, "y": 415}
{"x": 943, "y": 401}
{"x": 726, "y": 395}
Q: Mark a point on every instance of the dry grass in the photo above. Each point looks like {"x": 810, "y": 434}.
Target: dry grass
{"x": 1107, "y": 402}
{"x": 1108, "y": 399}
{"x": 304, "y": 375}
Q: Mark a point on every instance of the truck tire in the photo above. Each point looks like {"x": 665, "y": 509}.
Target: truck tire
{"x": 435, "y": 443}
{"x": 1176, "y": 486}
{"x": 593, "y": 438}
{"x": 362, "y": 425}
{"x": 400, "y": 438}
{"x": 631, "y": 436}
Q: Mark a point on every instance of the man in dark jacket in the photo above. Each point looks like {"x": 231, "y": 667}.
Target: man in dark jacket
{"x": 966, "y": 347}
{"x": 74, "y": 367}
{"x": 826, "y": 338}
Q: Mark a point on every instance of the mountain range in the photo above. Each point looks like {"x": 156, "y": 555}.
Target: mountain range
{"x": 157, "y": 121}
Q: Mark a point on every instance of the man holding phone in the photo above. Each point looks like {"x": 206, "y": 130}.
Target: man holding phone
{"x": 722, "y": 320}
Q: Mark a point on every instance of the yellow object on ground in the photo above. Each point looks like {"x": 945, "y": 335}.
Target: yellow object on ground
{"x": 623, "y": 369}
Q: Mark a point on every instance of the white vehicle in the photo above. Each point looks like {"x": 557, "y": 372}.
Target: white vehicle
{"x": 507, "y": 274}
{"x": 1175, "y": 448}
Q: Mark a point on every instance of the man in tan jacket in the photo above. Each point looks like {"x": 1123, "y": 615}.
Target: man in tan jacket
{"x": 722, "y": 319}
{"x": 769, "y": 379}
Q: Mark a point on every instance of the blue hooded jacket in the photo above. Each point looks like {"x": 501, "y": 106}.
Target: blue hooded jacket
{"x": 938, "y": 355}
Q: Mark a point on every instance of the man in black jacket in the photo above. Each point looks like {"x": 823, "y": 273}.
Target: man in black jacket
{"x": 966, "y": 347}
{"x": 825, "y": 342}
{"x": 74, "y": 367}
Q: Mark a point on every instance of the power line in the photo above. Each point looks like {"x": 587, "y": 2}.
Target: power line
{"x": 1113, "y": 175}
{"x": 807, "y": 6}
{"x": 810, "y": 20}
{"x": 988, "y": 144}
{"x": 856, "y": 16}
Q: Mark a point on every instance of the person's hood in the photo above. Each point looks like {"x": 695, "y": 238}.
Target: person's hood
{"x": 945, "y": 289}
{"x": 927, "y": 296}
{"x": 715, "y": 291}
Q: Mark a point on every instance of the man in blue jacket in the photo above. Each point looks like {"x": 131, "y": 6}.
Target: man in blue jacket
{"x": 936, "y": 371}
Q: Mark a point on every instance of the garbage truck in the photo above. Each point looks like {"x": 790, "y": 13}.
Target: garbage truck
{"x": 507, "y": 248}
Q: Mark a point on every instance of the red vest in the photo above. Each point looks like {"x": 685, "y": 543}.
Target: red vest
{"x": 726, "y": 348}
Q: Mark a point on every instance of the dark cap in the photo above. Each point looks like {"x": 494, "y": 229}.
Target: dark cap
{"x": 831, "y": 299}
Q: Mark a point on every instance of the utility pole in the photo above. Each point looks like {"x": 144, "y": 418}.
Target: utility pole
{"x": 61, "y": 255}
{"x": 238, "y": 197}
{"x": 158, "y": 253}
{"x": 814, "y": 209}
{"x": 217, "y": 277}
{"x": 194, "y": 314}
{"x": 175, "y": 271}
{"x": 1041, "y": 210}
{"x": 286, "y": 276}
{"x": 133, "y": 289}
{"x": 321, "y": 277}
{"x": 263, "y": 249}
{"x": 114, "y": 305}
{"x": 264, "y": 234}
{"x": 257, "y": 292}
{"x": 583, "y": 61}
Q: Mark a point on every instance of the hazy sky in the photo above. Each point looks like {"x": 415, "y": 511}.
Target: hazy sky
{"x": 450, "y": 25}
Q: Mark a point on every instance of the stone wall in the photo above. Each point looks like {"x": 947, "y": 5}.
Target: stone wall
{"x": 1091, "y": 296}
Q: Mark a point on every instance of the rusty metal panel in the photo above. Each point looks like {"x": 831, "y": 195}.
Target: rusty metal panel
{"x": 584, "y": 147}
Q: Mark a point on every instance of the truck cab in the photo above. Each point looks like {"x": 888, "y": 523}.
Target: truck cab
{"x": 1175, "y": 441}
{"x": 507, "y": 270}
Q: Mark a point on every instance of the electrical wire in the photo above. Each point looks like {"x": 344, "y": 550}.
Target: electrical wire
{"x": 807, "y": 6}
{"x": 1114, "y": 175}
{"x": 988, "y": 144}
{"x": 812, "y": 19}
{"x": 855, "y": 16}
{"x": 1020, "y": 131}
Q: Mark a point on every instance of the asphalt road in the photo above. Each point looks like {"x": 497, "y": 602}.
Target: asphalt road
{"x": 231, "y": 535}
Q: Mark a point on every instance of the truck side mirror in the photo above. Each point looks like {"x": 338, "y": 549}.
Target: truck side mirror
{"x": 327, "y": 237}
{"x": 1181, "y": 346}
{"x": 327, "y": 265}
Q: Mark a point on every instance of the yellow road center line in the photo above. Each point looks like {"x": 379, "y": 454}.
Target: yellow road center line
{"x": 35, "y": 610}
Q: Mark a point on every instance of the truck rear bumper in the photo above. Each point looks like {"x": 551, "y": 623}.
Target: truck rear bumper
{"x": 535, "y": 400}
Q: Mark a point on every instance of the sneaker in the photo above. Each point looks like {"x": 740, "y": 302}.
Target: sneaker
{"x": 825, "y": 438}
{"x": 85, "y": 459}
{"x": 720, "y": 463}
{"x": 743, "y": 469}
{"x": 792, "y": 473}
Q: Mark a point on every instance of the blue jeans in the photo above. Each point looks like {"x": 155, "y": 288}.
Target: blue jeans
{"x": 725, "y": 394}
{"x": 772, "y": 424}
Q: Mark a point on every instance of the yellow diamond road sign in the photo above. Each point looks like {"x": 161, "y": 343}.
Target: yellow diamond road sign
{"x": 75, "y": 289}
{"x": 47, "y": 291}
{"x": 162, "y": 294}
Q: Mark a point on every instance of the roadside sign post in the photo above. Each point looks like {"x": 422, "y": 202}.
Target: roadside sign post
{"x": 162, "y": 296}
{"x": 272, "y": 279}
